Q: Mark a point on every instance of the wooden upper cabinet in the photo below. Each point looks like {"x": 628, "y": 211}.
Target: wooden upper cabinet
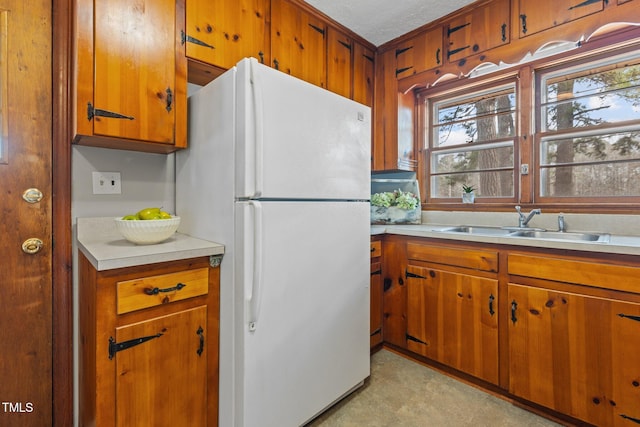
{"x": 130, "y": 73}
{"x": 420, "y": 53}
{"x": 298, "y": 44}
{"x": 363, "y": 74}
{"x": 483, "y": 28}
{"x": 221, "y": 33}
{"x": 339, "y": 62}
{"x": 544, "y": 14}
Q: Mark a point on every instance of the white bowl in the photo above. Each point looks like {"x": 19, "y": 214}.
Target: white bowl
{"x": 147, "y": 232}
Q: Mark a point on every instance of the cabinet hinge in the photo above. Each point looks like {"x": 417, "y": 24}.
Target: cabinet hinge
{"x": 402, "y": 70}
{"x": 458, "y": 28}
{"x": 454, "y": 51}
{"x": 377, "y": 331}
{"x": 584, "y": 3}
{"x": 402, "y": 50}
{"x": 376, "y": 272}
{"x": 628, "y": 316}
{"x": 347, "y": 45}
{"x": 93, "y": 112}
{"x": 370, "y": 58}
{"x": 115, "y": 347}
{"x": 190, "y": 39}
{"x": 318, "y": 29}
{"x": 408, "y": 274}
{"x": 626, "y": 417}
{"x": 414, "y": 339}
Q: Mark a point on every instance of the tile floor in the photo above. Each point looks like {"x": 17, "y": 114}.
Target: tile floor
{"x": 403, "y": 393}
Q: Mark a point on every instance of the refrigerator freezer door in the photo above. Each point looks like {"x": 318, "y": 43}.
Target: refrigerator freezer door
{"x": 298, "y": 141}
{"x": 304, "y": 337}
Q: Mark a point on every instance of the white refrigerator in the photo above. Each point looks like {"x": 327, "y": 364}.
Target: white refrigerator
{"x": 278, "y": 170}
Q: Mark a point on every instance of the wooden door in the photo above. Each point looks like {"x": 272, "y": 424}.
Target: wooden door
{"x": 135, "y": 70}
{"x": 544, "y": 14}
{"x": 163, "y": 381}
{"x": 221, "y": 33}
{"x": 452, "y": 318}
{"x": 375, "y": 330}
{"x": 576, "y": 354}
{"x": 25, "y": 163}
{"x": 298, "y": 43}
{"x": 339, "y": 63}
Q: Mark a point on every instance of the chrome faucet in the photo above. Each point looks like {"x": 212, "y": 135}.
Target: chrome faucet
{"x": 523, "y": 219}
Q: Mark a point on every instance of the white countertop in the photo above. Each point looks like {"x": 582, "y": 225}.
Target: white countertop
{"x": 106, "y": 249}
{"x": 618, "y": 244}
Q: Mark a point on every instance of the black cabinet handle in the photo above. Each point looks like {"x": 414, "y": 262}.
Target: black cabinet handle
{"x": 504, "y": 32}
{"x": 491, "y": 300}
{"x": 276, "y": 64}
{"x": 514, "y": 307}
{"x": 261, "y": 55}
{"x": 523, "y": 21}
{"x": 169, "y": 99}
{"x": 438, "y": 56}
{"x": 156, "y": 291}
{"x": 200, "y": 333}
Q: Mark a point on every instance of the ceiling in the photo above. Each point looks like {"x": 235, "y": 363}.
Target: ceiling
{"x": 379, "y": 21}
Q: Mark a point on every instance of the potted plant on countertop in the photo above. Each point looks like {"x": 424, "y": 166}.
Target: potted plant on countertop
{"x": 468, "y": 193}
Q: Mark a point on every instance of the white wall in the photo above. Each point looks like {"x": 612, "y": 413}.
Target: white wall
{"x": 147, "y": 180}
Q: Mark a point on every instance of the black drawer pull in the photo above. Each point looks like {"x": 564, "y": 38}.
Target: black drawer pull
{"x": 156, "y": 291}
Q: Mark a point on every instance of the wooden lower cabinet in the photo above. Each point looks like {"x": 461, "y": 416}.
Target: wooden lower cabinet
{"x": 149, "y": 351}
{"x": 575, "y": 352}
{"x": 452, "y": 318}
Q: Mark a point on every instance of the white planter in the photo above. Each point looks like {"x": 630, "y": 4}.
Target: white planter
{"x": 468, "y": 197}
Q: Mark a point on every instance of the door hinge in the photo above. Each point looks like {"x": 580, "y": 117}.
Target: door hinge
{"x": 626, "y": 417}
{"x": 318, "y": 29}
{"x": 402, "y": 50}
{"x": 454, "y": 51}
{"x": 377, "y": 331}
{"x": 628, "y": 316}
{"x": 115, "y": 347}
{"x": 454, "y": 29}
{"x": 408, "y": 274}
{"x": 414, "y": 339}
{"x": 190, "y": 39}
{"x": 379, "y": 271}
{"x": 402, "y": 70}
{"x": 93, "y": 112}
{"x": 584, "y": 3}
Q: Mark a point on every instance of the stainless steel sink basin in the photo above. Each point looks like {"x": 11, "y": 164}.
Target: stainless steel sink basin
{"x": 486, "y": 231}
{"x": 563, "y": 235}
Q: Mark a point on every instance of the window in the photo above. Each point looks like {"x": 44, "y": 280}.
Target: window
{"x": 470, "y": 141}
{"x": 588, "y": 118}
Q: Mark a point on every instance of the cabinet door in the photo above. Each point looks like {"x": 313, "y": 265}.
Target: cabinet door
{"x": 339, "y": 62}
{"x": 298, "y": 43}
{"x": 223, "y": 32}
{"x": 420, "y": 53}
{"x": 163, "y": 381}
{"x": 135, "y": 53}
{"x": 376, "y": 304}
{"x": 483, "y": 28}
{"x": 544, "y": 14}
{"x": 363, "y": 74}
{"x": 452, "y": 318}
{"x": 576, "y": 354}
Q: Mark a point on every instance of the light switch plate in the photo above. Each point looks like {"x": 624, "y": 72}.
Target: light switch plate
{"x": 106, "y": 183}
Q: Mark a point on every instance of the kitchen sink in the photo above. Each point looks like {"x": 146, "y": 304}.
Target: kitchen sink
{"x": 486, "y": 231}
{"x": 563, "y": 235}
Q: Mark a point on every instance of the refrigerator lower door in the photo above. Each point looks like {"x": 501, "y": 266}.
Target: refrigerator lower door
{"x": 302, "y": 331}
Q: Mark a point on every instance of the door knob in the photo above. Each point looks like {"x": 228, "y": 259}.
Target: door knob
{"x": 32, "y": 195}
{"x": 32, "y": 245}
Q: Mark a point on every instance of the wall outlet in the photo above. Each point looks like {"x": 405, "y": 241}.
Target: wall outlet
{"x": 106, "y": 183}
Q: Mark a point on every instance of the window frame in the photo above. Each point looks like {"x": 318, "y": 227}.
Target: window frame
{"x": 526, "y": 144}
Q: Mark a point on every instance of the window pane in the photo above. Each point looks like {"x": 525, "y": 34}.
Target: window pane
{"x": 482, "y": 118}
{"x": 597, "y": 180}
{"x": 471, "y": 160}
{"x": 621, "y": 146}
{"x": 487, "y": 184}
{"x": 592, "y": 99}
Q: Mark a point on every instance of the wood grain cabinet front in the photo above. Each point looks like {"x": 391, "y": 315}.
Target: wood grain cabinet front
{"x": 541, "y": 15}
{"x": 376, "y": 293}
{"x": 575, "y": 349}
{"x": 149, "y": 344}
{"x": 130, "y": 75}
{"x": 420, "y": 53}
{"x": 298, "y": 42}
{"x": 221, "y": 33}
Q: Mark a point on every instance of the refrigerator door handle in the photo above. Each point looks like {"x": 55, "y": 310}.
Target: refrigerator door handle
{"x": 258, "y": 111}
{"x": 256, "y": 285}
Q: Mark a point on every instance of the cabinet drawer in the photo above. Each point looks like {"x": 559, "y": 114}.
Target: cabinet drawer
{"x": 468, "y": 258}
{"x": 616, "y": 277}
{"x": 376, "y": 249}
{"x": 156, "y": 290}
